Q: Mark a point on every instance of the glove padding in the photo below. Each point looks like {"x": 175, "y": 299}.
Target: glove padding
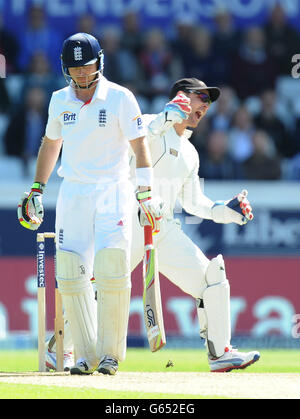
{"x": 174, "y": 112}
{"x": 150, "y": 212}
{"x": 237, "y": 210}
{"x": 178, "y": 109}
{"x": 31, "y": 210}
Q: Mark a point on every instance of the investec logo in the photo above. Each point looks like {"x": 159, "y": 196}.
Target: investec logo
{"x": 41, "y": 267}
{"x": 68, "y": 117}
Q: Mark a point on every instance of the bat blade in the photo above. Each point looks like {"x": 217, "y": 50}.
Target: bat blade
{"x": 152, "y": 297}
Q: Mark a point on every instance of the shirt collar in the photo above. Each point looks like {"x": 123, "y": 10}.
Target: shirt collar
{"x": 100, "y": 92}
{"x": 187, "y": 133}
{"x": 101, "y": 89}
{"x": 70, "y": 96}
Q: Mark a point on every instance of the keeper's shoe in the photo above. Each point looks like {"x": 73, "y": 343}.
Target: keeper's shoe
{"x": 108, "y": 365}
{"x": 81, "y": 367}
{"x": 51, "y": 360}
{"x": 232, "y": 360}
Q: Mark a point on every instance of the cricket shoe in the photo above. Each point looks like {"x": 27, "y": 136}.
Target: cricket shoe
{"x": 108, "y": 365}
{"x": 233, "y": 360}
{"x": 81, "y": 367}
{"x": 51, "y": 360}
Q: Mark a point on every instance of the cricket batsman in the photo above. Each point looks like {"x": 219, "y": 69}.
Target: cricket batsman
{"x": 175, "y": 164}
{"x": 94, "y": 122}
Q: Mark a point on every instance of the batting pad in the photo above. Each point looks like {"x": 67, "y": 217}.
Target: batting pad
{"x": 216, "y": 299}
{"x": 112, "y": 275}
{"x": 79, "y": 304}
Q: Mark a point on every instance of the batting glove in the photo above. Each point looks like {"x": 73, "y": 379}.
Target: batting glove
{"x": 175, "y": 111}
{"x": 237, "y": 210}
{"x": 30, "y": 209}
{"x": 150, "y": 210}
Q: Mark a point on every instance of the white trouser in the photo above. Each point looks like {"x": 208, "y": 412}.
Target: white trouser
{"x": 90, "y": 217}
{"x": 185, "y": 265}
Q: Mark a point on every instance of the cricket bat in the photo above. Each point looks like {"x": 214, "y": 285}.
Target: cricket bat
{"x": 151, "y": 295}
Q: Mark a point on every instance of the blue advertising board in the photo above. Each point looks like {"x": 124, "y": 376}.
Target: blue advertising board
{"x": 272, "y": 232}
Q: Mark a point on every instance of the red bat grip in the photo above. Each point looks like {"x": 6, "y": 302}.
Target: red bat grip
{"x": 148, "y": 235}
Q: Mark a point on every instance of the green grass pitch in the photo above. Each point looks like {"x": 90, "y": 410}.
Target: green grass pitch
{"x": 138, "y": 360}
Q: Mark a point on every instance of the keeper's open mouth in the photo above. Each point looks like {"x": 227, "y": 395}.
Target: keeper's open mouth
{"x": 198, "y": 114}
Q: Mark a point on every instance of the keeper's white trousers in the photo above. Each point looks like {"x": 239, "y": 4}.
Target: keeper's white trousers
{"x": 179, "y": 259}
{"x": 90, "y": 217}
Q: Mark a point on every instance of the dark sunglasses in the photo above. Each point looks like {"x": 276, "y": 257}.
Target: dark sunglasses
{"x": 205, "y": 98}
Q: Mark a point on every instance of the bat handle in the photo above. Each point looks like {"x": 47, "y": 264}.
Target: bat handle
{"x": 148, "y": 235}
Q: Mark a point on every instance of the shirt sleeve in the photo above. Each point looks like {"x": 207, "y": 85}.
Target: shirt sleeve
{"x": 131, "y": 121}
{"x": 192, "y": 198}
{"x": 147, "y": 119}
{"x": 53, "y": 127}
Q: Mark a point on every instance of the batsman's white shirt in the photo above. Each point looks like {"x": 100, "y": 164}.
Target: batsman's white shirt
{"x": 94, "y": 205}
{"x": 175, "y": 165}
{"x": 95, "y": 135}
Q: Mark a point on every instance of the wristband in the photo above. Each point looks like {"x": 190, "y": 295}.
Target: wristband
{"x": 38, "y": 187}
{"x": 144, "y": 176}
{"x": 142, "y": 196}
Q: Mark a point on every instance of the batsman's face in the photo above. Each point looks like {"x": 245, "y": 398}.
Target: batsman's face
{"x": 199, "y": 108}
{"x": 83, "y": 75}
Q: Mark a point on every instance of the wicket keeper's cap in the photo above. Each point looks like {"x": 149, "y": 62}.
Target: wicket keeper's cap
{"x": 194, "y": 85}
{"x": 81, "y": 49}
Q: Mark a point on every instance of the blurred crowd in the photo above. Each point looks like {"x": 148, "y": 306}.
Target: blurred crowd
{"x": 253, "y": 130}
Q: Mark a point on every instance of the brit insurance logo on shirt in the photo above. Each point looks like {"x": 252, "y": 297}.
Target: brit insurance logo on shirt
{"x": 139, "y": 121}
{"x": 69, "y": 117}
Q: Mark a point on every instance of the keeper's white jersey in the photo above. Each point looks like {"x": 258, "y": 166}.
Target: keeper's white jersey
{"x": 95, "y": 134}
{"x": 175, "y": 165}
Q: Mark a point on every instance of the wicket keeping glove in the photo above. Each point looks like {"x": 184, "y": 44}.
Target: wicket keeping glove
{"x": 237, "y": 210}
{"x": 150, "y": 211}
{"x": 174, "y": 112}
{"x": 30, "y": 208}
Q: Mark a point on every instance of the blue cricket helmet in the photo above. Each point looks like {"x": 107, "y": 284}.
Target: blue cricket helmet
{"x": 81, "y": 49}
